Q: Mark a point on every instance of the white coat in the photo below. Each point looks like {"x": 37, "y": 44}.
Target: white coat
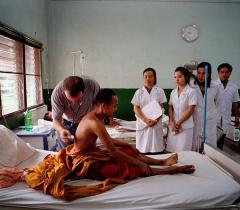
{"x": 211, "y": 115}
{"x": 183, "y": 140}
{"x": 226, "y": 97}
{"x": 149, "y": 139}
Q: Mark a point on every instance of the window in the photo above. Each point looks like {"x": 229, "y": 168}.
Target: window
{"x": 33, "y": 76}
{"x": 20, "y": 72}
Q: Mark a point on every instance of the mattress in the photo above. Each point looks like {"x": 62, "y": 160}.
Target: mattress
{"x": 208, "y": 186}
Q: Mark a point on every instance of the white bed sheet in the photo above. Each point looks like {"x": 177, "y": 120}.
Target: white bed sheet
{"x": 208, "y": 186}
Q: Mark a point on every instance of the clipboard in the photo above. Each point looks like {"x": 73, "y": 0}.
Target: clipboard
{"x": 152, "y": 110}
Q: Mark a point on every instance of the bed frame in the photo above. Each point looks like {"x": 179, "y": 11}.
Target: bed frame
{"x": 224, "y": 160}
{"x": 229, "y": 166}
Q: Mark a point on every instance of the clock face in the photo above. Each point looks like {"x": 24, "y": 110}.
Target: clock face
{"x": 190, "y": 33}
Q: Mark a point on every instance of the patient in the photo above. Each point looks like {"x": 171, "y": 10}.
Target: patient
{"x": 48, "y": 116}
{"x": 91, "y": 127}
{"x": 115, "y": 161}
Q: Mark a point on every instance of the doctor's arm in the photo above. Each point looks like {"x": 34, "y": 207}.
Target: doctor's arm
{"x": 65, "y": 135}
{"x": 57, "y": 112}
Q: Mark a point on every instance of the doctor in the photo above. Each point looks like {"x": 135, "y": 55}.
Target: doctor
{"x": 150, "y": 138}
{"x": 227, "y": 100}
{"x": 211, "y": 112}
{"x": 182, "y": 102}
{"x": 71, "y": 99}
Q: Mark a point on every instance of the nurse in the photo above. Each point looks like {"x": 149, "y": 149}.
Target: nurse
{"x": 149, "y": 139}
{"x": 182, "y": 102}
{"x": 211, "y": 109}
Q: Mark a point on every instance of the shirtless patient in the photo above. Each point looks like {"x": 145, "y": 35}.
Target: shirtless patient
{"x": 113, "y": 163}
{"x": 91, "y": 127}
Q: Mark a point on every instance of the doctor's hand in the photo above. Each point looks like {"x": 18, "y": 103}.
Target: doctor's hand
{"x": 65, "y": 136}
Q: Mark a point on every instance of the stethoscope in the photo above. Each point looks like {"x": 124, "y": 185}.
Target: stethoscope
{"x": 74, "y": 115}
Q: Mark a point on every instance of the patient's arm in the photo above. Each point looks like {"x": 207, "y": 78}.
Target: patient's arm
{"x": 119, "y": 143}
{"x": 100, "y": 131}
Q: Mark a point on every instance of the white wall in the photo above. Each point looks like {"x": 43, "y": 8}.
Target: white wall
{"x": 121, "y": 38}
{"x": 30, "y": 18}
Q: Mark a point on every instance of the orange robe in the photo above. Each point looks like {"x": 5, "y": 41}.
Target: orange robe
{"x": 50, "y": 174}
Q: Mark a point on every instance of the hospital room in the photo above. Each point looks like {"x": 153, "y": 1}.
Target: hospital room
{"x": 119, "y": 104}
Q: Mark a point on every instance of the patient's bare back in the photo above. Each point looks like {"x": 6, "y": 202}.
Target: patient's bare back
{"x": 85, "y": 137}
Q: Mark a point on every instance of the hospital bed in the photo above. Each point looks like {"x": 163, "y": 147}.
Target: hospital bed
{"x": 211, "y": 186}
{"x": 127, "y": 129}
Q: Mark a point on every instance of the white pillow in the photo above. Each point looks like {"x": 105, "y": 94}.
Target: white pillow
{"x": 13, "y": 150}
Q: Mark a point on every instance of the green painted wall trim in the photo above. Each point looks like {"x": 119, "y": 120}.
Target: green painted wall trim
{"x": 47, "y": 97}
{"x": 125, "y": 108}
{"x": 124, "y": 111}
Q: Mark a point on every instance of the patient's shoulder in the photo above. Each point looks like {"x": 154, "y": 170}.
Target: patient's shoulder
{"x": 91, "y": 120}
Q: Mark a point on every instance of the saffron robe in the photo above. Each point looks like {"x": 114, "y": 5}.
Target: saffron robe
{"x": 50, "y": 174}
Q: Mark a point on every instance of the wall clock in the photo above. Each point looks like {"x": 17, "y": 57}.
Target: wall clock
{"x": 190, "y": 33}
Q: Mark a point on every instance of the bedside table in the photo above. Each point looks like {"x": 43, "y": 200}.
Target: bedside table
{"x": 42, "y": 132}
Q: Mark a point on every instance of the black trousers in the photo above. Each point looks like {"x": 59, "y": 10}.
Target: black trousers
{"x": 220, "y": 142}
